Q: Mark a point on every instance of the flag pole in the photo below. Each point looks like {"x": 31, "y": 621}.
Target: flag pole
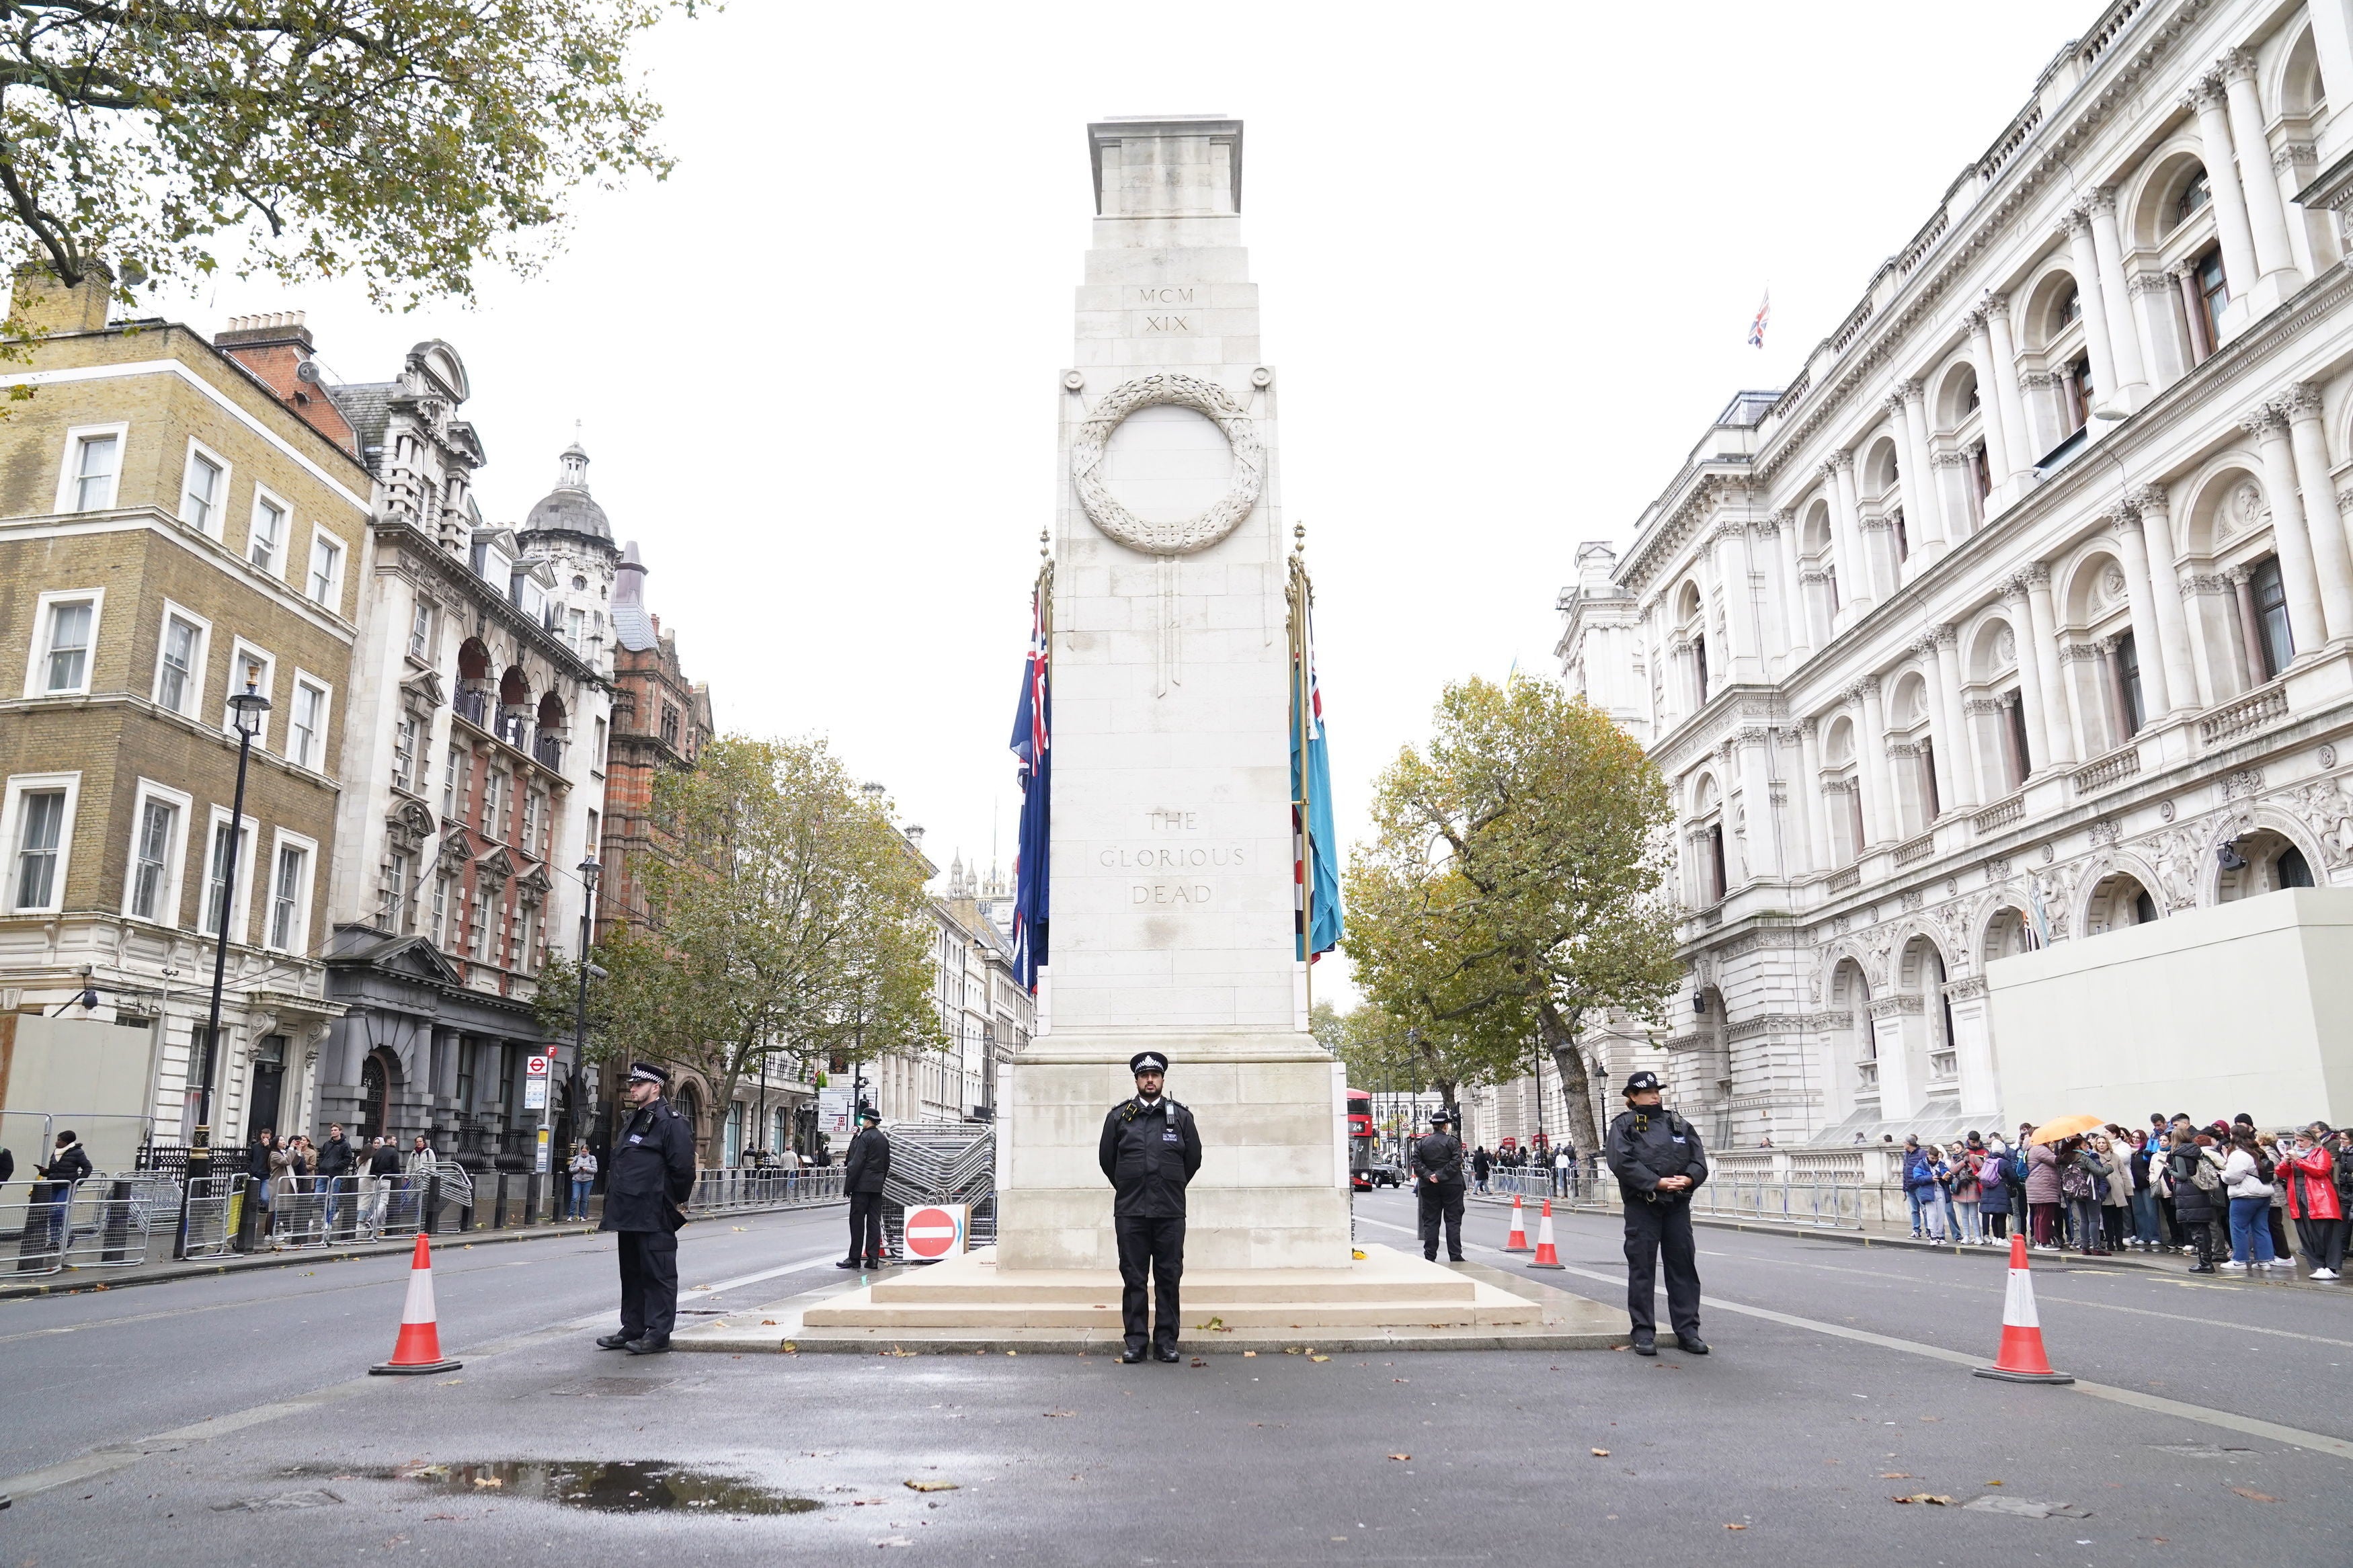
{"x": 1300, "y": 594}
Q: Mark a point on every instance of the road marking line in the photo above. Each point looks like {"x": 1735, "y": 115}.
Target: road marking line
{"x": 2318, "y": 1442}
{"x": 118, "y": 1456}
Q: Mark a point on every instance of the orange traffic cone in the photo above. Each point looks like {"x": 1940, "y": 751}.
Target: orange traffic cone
{"x": 1518, "y": 1240}
{"x": 2021, "y": 1359}
{"x": 418, "y": 1349}
{"x": 1546, "y": 1257}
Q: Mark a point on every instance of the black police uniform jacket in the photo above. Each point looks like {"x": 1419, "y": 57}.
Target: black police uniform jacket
{"x": 869, "y": 1164}
{"x": 1437, "y": 1158}
{"x": 1148, "y": 1153}
{"x": 1646, "y": 1144}
{"x": 652, "y": 1171}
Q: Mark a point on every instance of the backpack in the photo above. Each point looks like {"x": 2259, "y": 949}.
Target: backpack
{"x": 2013, "y": 1169}
{"x": 2074, "y": 1183}
{"x": 2205, "y": 1176}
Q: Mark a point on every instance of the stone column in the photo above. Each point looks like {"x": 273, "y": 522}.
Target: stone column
{"x": 2308, "y": 439}
{"x": 2251, "y": 635}
{"x": 2193, "y": 314}
{"x": 1809, "y": 786}
{"x": 2156, "y": 699}
{"x": 2157, "y": 306}
{"x": 1957, "y": 781}
{"x": 1764, "y": 822}
{"x": 1923, "y": 509}
{"x": 2311, "y": 626}
{"x": 2116, "y": 294}
{"x": 2033, "y": 653}
{"x": 2205, "y": 99}
{"x": 1846, "y": 517}
{"x": 1741, "y": 649}
{"x": 1796, "y": 635}
{"x": 1991, "y": 417}
{"x": 2007, "y": 393}
{"x": 2156, "y": 535}
{"x": 1871, "y": 763}
{"x": 2091, "y": 298}
{"x": 2266, "y": 212}
{"x": 2062, "y": 747}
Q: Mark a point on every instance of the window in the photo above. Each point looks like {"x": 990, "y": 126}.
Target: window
{"x": 2143, "y": 908}
{"x": 526, "y": 957}
{"x": 1903, "y": 539}
{"x": 478, "y": 931}
{"x": 287, "y": 891}
{"x": 1699, "y": 667}
{"x": 2213, "y": 293}
{"x": 266, "y": 544}
{"x": 420, "y": 632}
{"x": 440, "y": 911}
{"x": 2128, "y": 684}
{"x": 601, "y": 729}
{"x": 94, "y": 461}
{"x": 2194, "y": 195}
{"x": 404, "y": 750}
{"x": 396, "y": 890}
{"x": 1713, "y": 870}
{"x": 68, "y": 628}
{"x": 450, "y": 772}
{"x": 1928, "y": 779}
{"x": 576, "y": 631}
{"x": 2271, "y": 617}
{"x": 204, "y": 490}
{"x": 40, "y": 841}
{"x": 2067, "y": 310}
{"x": 306, "y": 727}
{"x": 595, "y": 842}
{"x": 669, "y": 726}
{"x": 326, "y": 569}
{"x": 216, "y": 875}
{"x": 151, "y": 857}
{"x": 179, "y": 662}
{"x": 468, "y": 1052}
{"x": 531, "y": 822}
{"x": 2075, "y": 393}
{"x": 2014, "y": 719}
{"x": 2291, "y": 869}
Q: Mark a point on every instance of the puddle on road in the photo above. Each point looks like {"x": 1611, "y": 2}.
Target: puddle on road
{"x": 599, "y": 1486}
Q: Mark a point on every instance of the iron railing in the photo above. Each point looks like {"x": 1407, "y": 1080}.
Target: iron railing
{"x": 739, "y": 1190}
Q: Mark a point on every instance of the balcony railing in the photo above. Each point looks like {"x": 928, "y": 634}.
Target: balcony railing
{"x": 2250, "y": 712}
{"x": 1841, "y": 881}
{"x": 1999, "y": 814}
{"x": 1918, "y": 848}
{"x": 1941, "y": 1067}
{"x": 473, "y": 707}
{"x": 2114, "y": 768}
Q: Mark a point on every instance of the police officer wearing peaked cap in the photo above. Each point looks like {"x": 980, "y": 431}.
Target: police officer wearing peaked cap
{"x": 1150, "y": 1150}
{"x": 651, "y": 1177}
{"x": 863, "y": 1178}
{"x": 1437, "y": 1185}
{"x": 1657, "y": 1159}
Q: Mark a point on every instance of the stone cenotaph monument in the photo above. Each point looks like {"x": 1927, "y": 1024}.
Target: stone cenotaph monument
{"x": 1173, "y": 914}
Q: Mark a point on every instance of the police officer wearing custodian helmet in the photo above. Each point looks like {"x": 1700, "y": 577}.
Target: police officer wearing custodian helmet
{"x": 1437, "y": 1185}
{"x": 1150, "y": 1150}
{"x": 1657, "y": 1159}
{"x": 652, "y": 1174}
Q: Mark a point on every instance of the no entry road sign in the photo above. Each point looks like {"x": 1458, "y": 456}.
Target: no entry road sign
{"x": 935, "y": 1231}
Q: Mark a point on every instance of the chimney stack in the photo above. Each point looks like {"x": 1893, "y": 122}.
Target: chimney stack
{"x": 46, "y": 303}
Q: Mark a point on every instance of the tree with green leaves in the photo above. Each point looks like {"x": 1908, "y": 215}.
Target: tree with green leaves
{"x": 788, "y": 915}
{"x": 1514, "y": 886}
{"x": 408, "y": 142}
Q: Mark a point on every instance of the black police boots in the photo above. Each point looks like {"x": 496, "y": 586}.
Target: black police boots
{"x": 1131, "y": 1358}
{"x": 1691, "y": 1344}
{"x": 612, "y": 1342}
{"x": 1644, "y": 1345}
{"x": 647, "y": 1346}
{"x": 1170, "y": 1356}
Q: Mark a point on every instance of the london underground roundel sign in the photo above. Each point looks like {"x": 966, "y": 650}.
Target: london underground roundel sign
{"x": 934, "y": 1231}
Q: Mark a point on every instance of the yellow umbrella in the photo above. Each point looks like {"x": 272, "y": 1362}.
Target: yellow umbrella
{"x": 2066, "y": 1127}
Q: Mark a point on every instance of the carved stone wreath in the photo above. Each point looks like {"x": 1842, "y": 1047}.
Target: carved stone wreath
{"x": 1182, "y": 538}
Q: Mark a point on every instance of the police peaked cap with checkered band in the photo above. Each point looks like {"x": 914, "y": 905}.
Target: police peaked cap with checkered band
{"x": 1641, "y": 1083}
{"x": 1147, "y": 1061}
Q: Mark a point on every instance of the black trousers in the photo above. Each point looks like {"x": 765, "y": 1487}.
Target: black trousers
{"x": 1653, "y": 1228}
{"x": 1157, "y": 1245}
{"x": 1441, "y": 1201}
{"x": 2324, "y": 1242}
{"x": 866, "y": 1227}
{"x": 648, "y": 1283}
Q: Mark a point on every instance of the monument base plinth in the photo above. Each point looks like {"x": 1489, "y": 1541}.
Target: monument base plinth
{"x": 1388, "y": 1300}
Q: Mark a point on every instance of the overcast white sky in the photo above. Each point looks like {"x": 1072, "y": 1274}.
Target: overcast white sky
{"x": 1507, "y": 258}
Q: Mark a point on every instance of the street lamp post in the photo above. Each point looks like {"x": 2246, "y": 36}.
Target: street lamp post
{"x": 576, "y": 1088}
{"x": 245, "y": 709}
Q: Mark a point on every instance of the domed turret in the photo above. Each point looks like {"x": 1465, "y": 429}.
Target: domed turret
{"x": 569, "y": 508}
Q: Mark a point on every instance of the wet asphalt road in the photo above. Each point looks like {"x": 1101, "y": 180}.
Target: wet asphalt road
{"x": 1797, "y": 1435}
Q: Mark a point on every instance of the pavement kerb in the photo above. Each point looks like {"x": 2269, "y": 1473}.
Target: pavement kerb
{"x": 89, "y": 1281}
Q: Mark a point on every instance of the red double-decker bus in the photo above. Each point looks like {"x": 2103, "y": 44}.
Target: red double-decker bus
{"x": 1360, "y": 1139}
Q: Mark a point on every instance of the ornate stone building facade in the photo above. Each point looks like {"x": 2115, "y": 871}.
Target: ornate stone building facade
{"x": 2026, "y": 611}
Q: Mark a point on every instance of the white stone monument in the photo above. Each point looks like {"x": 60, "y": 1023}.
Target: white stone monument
{"x": 1172, "y": 912}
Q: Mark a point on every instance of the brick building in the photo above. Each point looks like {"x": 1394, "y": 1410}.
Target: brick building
{"x": 172, "y": 530}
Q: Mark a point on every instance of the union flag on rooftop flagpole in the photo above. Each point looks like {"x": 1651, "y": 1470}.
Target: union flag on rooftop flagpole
{"x": 1033, "y": 748}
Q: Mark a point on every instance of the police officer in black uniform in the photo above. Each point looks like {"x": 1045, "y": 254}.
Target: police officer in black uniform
{"x": 861, "y": 1181}
{"x": 651, "y": 1177}
{"x": 1437, "y": 1185}
{"x": 1150, "y": 1150}
{"x": 1657, "y": 1159}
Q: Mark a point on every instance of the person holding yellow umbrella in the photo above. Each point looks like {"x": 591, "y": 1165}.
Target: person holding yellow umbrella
{"x": 2047, "y": 1161}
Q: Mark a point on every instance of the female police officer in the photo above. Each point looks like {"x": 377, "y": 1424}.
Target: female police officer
{"x": 1657, "y": 1159}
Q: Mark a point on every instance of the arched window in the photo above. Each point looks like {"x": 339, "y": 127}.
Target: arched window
{"x": 2291, "y": 869}
{"x": 2066, "y": 309}
{"x": 2194, "y": 195}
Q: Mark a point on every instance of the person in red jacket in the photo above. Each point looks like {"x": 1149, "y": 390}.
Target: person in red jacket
{"x": 2309, "y": 1173}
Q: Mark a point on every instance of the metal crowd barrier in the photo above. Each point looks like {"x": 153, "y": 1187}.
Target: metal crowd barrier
{"x": 738, "y": 1189}
{"x": 113, "y": 1218}
{"x": 1811, "y": 1204}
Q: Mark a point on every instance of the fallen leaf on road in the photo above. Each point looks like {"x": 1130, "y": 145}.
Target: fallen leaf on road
{"x": 1736, "y": 1527}
{"x": 1993, "y": 1483}
{"x": 929, "y": 1486}
{"x": 1400, "y": 1455}
{"x": 1319, "y": 1357}
{"x": 1937, "y": 1498}
{"x": 1601, "y": 1453}
{"x": 1248, "y": 1354}
{"x": 431, "y": 1517}
{"x": 731, "y": 1227}
{"x": 1897, "y": 1476}
{"x": 894, "y": 1540}
{"x": 788, "y": 1348}
{"x": 1215, "y": 1323}
{"x": 767, "y": 1322}
{"x": 1054, "y": 1415}
{"x": 1201, "y": 1361}
{"x": 2251, "y": 1495}
{"x": 488, "y": 1481}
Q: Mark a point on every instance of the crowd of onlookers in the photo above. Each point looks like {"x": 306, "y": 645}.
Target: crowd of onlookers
{"x": 2172, "y": 1185}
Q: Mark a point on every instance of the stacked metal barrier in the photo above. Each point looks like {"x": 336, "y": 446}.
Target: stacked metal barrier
{"x": 739, "y": 1190}
{"x": 941, "y": 1162}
